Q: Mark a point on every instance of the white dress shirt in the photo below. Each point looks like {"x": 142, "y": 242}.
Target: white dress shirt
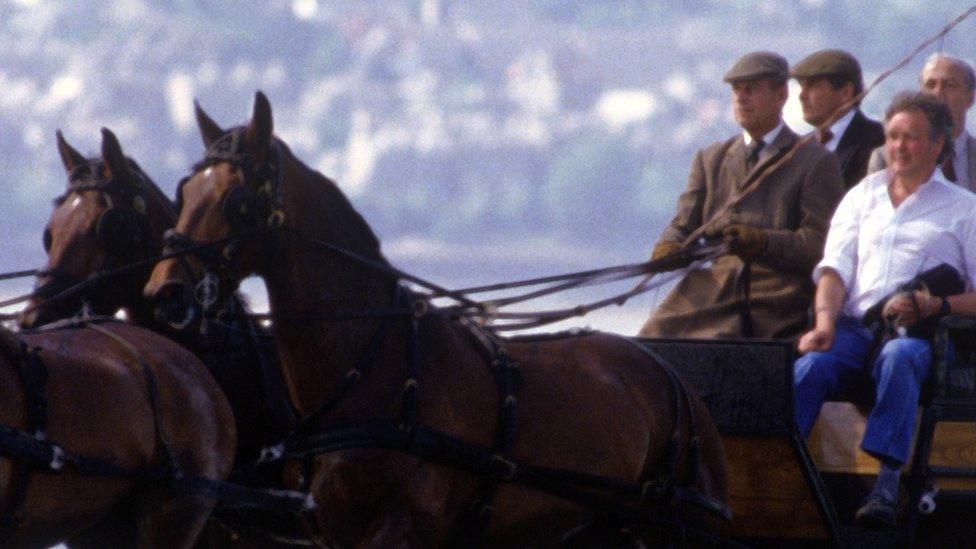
{"x": 875, "y": 247}
{"x": 837, "y": 130}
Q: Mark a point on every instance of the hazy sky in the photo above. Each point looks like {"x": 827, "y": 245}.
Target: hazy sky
{"x": 136, "y": 66}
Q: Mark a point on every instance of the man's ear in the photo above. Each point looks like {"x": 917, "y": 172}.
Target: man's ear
{"x": 850, "y": 94}
{"x": 782, "y": 95}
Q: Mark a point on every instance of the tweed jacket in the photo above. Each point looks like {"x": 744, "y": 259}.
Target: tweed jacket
{"x": 878, "y": 162}
{"x": 793, "y": 203}
{"x": 854, "y": 149}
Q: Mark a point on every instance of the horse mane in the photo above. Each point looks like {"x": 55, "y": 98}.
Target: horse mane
{"x": 164, "y": 201}
{"x": 346, "y": 217}
{"x": 347, "y": 221}
{"x": 351, "y": 223}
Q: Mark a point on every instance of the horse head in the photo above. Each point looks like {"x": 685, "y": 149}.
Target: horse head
{"x": 251, "y": 207}
{"x": 110, "y": 215}
{"x": 226, "y": 208}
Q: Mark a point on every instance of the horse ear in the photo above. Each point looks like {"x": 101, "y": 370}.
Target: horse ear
{"x": 209, "y": 129}
{"x": 69, "y": 156}
{"x": 259, "y": 131}
{"x": 112, "y": 156}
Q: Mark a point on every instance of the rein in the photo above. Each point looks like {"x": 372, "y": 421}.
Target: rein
{"x": 103, "y": 276}
{"x": 487, "y": 311}
{"x": 19, "y": 274}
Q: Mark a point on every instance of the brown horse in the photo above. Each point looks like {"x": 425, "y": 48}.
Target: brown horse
{"x": 112, "y": 215}
{"x": 95, "y": 400}
{"x": 590, "y": 406}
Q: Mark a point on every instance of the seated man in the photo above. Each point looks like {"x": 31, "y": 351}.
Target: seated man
{"x": 952, "y": 80}
{"x": 829, "y": 80}
{"x": 774, "y": 195}
{"x": 889, "y": 228}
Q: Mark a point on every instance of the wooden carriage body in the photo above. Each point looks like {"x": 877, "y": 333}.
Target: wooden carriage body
{"x": 782, "y": 487}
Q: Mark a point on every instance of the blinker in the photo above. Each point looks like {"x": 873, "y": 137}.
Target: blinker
{"x": 238, "y": 204}
{"x": 114, "y": 230}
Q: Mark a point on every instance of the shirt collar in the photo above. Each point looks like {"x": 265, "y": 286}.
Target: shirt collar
{"x": 768, "y": 138}
{"x": 934, "y": 180}
{"x": 838, "y": 128}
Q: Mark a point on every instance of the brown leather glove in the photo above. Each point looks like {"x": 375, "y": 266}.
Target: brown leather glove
{"x": 664, "y": 249}
{"x": 746, "y": 242}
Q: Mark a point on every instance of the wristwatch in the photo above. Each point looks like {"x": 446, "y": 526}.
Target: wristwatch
{"x": 944, "y": 308}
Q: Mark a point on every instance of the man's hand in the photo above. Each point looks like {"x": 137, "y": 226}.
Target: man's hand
{"x": 744, "y": 241}
{"x": 817, "y": 339}
{"x": 907, "y": 308}
{"x": 664, "y": 249}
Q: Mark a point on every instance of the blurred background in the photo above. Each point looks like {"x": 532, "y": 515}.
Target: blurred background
{"x": 484, "y": 140}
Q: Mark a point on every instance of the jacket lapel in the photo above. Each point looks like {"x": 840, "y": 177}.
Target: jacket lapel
{"x": 773, "y": 152}
{"x": 850, "y": 140}
{"x": 736, "y": 163}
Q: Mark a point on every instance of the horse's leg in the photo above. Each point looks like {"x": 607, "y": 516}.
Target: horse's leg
{"x": 167, "y": 521}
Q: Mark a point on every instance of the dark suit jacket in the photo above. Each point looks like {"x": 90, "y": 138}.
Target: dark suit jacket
{"x": 793, "y": 204}
{"x": 853, "y": 151}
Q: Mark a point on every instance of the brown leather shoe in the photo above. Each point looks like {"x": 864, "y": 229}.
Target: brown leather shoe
{"x": 877, "y": 512}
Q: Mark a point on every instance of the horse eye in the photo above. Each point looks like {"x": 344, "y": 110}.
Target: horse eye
{"x": 47, "y": 240}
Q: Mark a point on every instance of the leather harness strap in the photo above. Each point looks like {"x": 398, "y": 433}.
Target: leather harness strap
{"x": 31, "y": 449}
{"x": 33, "y": 377}
{"x": 152, "y": 392}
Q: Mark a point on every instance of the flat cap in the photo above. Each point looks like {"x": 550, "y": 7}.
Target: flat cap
{"x": 829, "y": 63}
{"x": 758, "y": 64}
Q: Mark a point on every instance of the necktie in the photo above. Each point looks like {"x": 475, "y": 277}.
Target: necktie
{"x": 754, "y": 149}
{"x": 948, "y": 169}
{"x": 824, "y": 136}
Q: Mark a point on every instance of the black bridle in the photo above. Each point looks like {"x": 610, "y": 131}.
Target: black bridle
{"x": 122, "y": 231}
{"x": 253, "y": 209}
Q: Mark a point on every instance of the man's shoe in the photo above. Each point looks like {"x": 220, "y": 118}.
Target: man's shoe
{"x": 877, "y": 512}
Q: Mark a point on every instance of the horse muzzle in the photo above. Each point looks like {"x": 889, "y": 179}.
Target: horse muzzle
{"x": 46, "y": 305}
{"x": 173, "y": 304}
{"x": 37, "y": 314}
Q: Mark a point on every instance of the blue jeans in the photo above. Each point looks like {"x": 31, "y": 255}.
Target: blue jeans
{"x": 898, "y": 373}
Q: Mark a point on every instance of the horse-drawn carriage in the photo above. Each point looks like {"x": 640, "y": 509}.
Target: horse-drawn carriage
{"x": 417, "y": 424}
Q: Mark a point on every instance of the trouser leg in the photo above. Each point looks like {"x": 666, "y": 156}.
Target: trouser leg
{"x": 817, "y": 376}
{"x": 899, "y": 371}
